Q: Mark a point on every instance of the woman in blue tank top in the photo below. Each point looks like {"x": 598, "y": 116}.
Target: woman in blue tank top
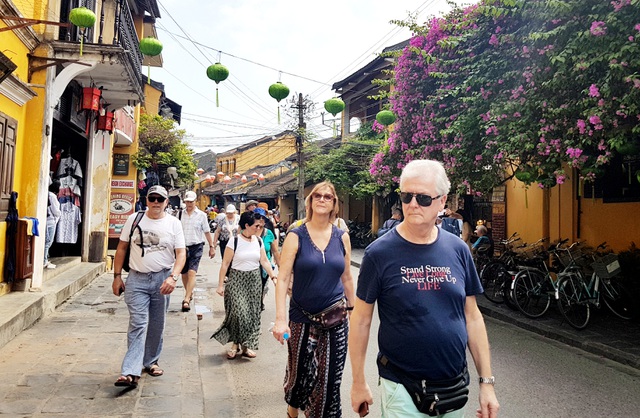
{"x": 319, "y": 256}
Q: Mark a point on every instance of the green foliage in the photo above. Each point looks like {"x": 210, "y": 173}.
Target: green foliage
{"x": 161, "y": 144}
{"x": 347, "y": 166}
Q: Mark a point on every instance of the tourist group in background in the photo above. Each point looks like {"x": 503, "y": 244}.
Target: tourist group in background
{"x": 421, "y": 276}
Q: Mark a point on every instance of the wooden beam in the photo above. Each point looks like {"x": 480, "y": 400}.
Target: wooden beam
{"x": 29, "y": 22}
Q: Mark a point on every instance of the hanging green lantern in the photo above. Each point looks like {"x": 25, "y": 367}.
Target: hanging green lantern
{"x": 278, "y": 91}
{"x": 385, "y": 117}
{"x": 334, "y": 106}
{"x": 83, "y": 18}
{"x": 217, "y": 72}
{"x": 150, "y": 47}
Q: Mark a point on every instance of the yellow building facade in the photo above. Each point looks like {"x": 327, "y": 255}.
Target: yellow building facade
{"x": 54, "y": 109}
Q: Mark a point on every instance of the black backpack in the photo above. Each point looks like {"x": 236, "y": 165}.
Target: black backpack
{"x": 452, "y": 225}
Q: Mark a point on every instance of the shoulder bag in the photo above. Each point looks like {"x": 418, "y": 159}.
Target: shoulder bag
{"x": 433, "y": 397}
{"x": 330, "y": 317}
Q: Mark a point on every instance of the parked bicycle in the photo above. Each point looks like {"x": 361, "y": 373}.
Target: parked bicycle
{"x": 575, "y": 295}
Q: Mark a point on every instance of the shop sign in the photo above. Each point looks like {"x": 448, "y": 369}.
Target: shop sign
{"x": 121, "y": 164}
{"x": 121, "y": 205}
{"x": 123, "y": 184}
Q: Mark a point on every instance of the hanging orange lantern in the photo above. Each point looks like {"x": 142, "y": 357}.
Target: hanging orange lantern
{"x": 261, "y": 177}
{"x": 243, "y": 179}
{"x": 254, "y": 175}
{"x": 236, "y": 175}
{"x": 220, "y": 174}
{"x": 226, "y": 179}
{"x": 200, "y": 171}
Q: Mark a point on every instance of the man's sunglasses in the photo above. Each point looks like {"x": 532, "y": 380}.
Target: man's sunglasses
{"x": 422, "y": 199}
{"x": 154, "y": 199}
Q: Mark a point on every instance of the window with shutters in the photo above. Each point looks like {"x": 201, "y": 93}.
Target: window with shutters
{"x": 8, "y": 127}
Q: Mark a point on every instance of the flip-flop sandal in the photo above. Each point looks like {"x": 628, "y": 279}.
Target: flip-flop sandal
{"x": 186, "y": 306}
{"x": 129, "y": 381}
{"x": 154, "y": 370}
{"x": 232, "y": 354}
{"x": 248, "y": 353}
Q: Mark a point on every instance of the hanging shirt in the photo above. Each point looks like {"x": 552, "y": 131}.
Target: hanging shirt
{"x": 70, "y": 218}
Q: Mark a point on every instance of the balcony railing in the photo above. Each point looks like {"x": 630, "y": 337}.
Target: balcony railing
{"x": 124, "y": 32}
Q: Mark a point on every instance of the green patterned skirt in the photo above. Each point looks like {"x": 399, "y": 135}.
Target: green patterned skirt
{"x": 242, "y": 307}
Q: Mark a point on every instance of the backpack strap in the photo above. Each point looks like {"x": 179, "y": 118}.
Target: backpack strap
{"x": 135, "y": 225}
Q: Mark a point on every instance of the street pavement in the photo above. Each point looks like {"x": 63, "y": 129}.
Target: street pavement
{"x": 65, "y": 364}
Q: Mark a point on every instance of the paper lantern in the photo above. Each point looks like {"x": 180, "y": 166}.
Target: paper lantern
{"x": 243, "y": 179}
{"x": 105, "y": 122}
{"x": 278, "y": 91}
{"x": 82, "y": 18}
{"x": 254, "y": 175}
{"x": 217, "y": 72}
{"x": 220, "y": 174}
{"x": 91, "y": 98}
{"x": 208, "y": 178}
{"x": 226, "y": 179}
{"x": 261, "y": 177}
{"x": 236, "y": 175}
{"x": 200, "y": 171}
{"x": 385, "y": 117}
{"x": 150, "y": 47}
{"x": 334, "y": 106}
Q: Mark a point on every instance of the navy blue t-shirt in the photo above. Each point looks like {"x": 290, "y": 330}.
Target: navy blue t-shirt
{"x": 420, "y": 290}
{"x": 317, "y": 275}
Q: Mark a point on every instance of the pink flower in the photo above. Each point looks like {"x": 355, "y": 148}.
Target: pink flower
{"x": 581, "y": 125}
{"x": 637, "y": 27}
{"x": 631, "y": 38}
{"x": 593, "y": 91}
{"x": 595, "y": 120}
{"x": 560, "y": 179}
{"x": 598, "y": 28}
{"x": 493, "y": 40}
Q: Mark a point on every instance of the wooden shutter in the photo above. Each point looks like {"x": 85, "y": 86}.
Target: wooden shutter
{"x": 8, "y": 128}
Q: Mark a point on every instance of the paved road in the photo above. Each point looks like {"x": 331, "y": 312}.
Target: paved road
{"x": 65, "y": 365}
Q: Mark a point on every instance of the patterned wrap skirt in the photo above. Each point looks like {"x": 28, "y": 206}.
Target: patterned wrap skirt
{"x": 314, "y": 369}
{"x": 242, "y": 307}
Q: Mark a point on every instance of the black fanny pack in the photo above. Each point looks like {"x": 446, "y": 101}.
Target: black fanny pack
{"x": 330, "y": 317}
{"x": 433, "y": 397}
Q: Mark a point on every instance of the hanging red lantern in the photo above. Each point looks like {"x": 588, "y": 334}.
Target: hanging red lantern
{"x": 105, "y": 122}
{"x": 91, "y": 98}
{"x": 261, "y": 177}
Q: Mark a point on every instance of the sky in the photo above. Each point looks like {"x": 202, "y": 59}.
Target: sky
{"x": 306, "y": 45}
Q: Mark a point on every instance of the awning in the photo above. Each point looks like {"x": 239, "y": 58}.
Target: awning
{"x": 121, "y": 139}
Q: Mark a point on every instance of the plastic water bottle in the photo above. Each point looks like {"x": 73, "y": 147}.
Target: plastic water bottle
{"x": 273, "y": 324}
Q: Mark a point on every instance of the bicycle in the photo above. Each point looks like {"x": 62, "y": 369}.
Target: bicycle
{"x": 533, "y": 287}
{"x": 575, "y": 295}
{"x": 492, "y": 274}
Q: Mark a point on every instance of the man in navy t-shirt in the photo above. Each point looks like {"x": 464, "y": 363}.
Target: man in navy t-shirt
{"x": 426, "y": 293}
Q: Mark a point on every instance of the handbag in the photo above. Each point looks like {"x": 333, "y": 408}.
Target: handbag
{"x": 433, "y": 397}
{"x": 330, "y": 317}
{"x": 127, "y": 254}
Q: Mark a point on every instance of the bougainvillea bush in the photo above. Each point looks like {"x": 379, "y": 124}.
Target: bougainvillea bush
{"x": 518, "y": 88}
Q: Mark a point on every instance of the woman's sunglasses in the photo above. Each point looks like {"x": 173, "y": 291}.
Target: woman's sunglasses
{"x": 319, "y": 196}
{"x": 422, "y": 199}
{"x": 154, "y": 199}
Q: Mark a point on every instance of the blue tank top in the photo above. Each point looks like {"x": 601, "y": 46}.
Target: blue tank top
{"x": 316, "y": 274}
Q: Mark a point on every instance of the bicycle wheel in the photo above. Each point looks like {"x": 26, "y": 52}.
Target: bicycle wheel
{"x": 617, "y": 298}
{"x": 492, "y": 281}
{"x": 573, "y": 301}
{"x": 508, "y": 279}
{"x": 531, "y": 293}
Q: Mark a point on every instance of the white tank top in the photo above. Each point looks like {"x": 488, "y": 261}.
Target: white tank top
{"x": 247, "y": 255}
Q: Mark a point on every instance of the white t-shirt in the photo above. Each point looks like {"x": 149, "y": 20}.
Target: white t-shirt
{"x": 160, "y": 239}
{"x": 194, "y": 226}
{"x": 247, "y": 255}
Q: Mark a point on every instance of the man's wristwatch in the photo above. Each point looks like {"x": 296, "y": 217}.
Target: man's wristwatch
{"x": 175, "y": 277}
{"x": 488, "y": 380}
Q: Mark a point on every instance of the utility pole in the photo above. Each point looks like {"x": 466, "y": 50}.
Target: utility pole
{"x": 301, "y": 126}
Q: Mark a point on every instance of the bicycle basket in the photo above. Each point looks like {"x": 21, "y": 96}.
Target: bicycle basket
{"x": 607, "y": 267}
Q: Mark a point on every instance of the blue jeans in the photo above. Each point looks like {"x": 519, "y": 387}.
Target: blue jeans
{"x": 397, "y": 403}
{"x": 48, "y": 240}
{"x": 147, "y": 311}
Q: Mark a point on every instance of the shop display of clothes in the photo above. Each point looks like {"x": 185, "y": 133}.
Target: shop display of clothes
{"x": 69, "y": 174}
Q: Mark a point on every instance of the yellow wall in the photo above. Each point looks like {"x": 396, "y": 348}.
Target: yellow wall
{"x": 564, "y": 215}
{"x": 269, "y": 153}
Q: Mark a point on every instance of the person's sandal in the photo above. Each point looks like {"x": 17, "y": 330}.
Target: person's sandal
{"x": 154, "y": 370}
{"x": 186, "y": 306}
{"x": 232, "y": 353}
{"x": 248, "y": 353}
{"x": 129, "y": 381}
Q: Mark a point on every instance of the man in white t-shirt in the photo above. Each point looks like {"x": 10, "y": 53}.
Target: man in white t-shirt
{"x": 157, "y": 255}
{"x": 196, "y": 229}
